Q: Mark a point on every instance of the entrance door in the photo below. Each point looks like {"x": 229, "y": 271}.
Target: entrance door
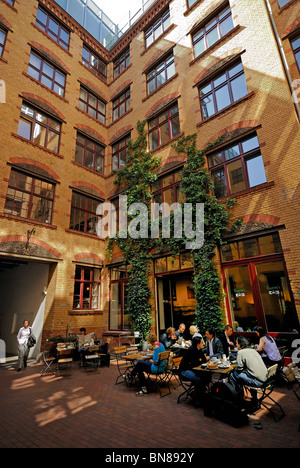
{"x": 176, "y": 301}
{"x": 22, "y": 292}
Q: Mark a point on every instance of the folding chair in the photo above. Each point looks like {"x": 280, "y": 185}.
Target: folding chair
{"x": 48, "y": 362}
{"x": 291, "y": 380}
{"x": 163, "y": 377}
{"x": 92, "y": 359}
{"x": 264, "y": 393}
{"x": 64, "y": 360}
{"x": 174, "y": 370}
{"x": 188, "y": 387}
{"x": 123, "y": 368}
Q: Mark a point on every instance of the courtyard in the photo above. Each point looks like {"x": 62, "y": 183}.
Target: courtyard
{"x": 87, "y": 410}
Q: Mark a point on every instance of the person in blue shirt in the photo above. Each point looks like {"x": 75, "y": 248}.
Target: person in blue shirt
{"x": 149, "y": 367}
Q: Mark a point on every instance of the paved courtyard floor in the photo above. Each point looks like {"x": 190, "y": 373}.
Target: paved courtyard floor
{"x": 90, "y": 411}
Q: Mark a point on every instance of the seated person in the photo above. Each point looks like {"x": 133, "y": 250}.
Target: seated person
{"x": 150, "y": 367}
{"x": 267, "y": 346}
{"x": 180, "y": 332}
{"x": 227, "y": 343}
{"x": 169, "y": 338}
{"x": 250, "y": 368}
{"x": 194, "y": 357}
{"x": 214, "y": 346}
{"x": 83, "y": 338}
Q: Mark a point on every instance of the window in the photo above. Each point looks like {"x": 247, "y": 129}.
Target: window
{"x": 2, "y": 41}
{"x": 223, "y": 90}
{"x": 93, "y": 61}
{"x": 83, "y": 213}
{"x": 47, "y": 74}
{"x": 160, "y": 74}
{"x": 91, "y": 104}
{"x": 119, "y": 317}
{"x": 10, "y": 2}
{"x": 40, "y": 128}
{"x": 213, "y": 31}
{"x": 121, "y": 63}
{"x": 29, "y": 197}
{"x": 120, "y": 153}
{"x": 191, "y": 3}
{"x": 166, "y": 189}
{"x": 295, "y": 43}
{"x": 53, "y": 28}
{"x": 89, "y": 153}
{"x": 87, "y": 288}
{"x": 237, "y": 167}
{"x": 157, "y": 29}
{"x": 282, "y": 3}
{"x": 121, "y": 105}
{"x": 164, "y": 127}
{"x": 257, "y": 285}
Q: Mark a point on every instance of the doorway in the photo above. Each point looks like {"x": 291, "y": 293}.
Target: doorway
{"x": 23, "y": 288}
{"x": 176, "y": 301}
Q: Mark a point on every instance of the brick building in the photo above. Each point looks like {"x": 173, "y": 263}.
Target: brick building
{"x": 70, "y": 105}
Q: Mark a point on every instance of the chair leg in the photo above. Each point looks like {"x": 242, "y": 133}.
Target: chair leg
{"x": 267, "y": 405}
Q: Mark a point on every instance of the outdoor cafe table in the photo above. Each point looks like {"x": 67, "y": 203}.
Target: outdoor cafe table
{"x": 217, "y": 370}
{"x": 138, "y": 357}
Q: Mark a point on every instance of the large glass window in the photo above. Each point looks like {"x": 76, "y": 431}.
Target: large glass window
{"x": 119, "y": 317}
{"x": 83, "y": 213}
{"x": 213, "y": 31}
{"x": 89, "y": 153}
{"x": 120, "y": 153}
{"x": 157, "y": 29}
{"x": 53, "y": 28}
{"x": 29, "y": 197}
{"x": 295, "y": 43}
{"x": 122, "y": 62}
{"x": 91, "y": 104}
{"x": 164, "y": 127}
{"x": 47, "y": 74}
{"x": 166, "y": 189}
{"x": 2, "y": 41}
{"x": 258, "y": 291}
{"x": 94, "y": 62}
{"x": 39, "y": 128}
{"x": 237, "y": 167}
{"x": 223, "y": 90}
{"x": 160, "y": 74}
{"x": 121, "y": 105}
{"x": 87, "y": 288}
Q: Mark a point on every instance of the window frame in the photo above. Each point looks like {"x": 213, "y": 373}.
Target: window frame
{"x": 88, "y": 214}
{"x": 89, "y": 283}
{"x": 243, "y": 156}
{"x": 2, "y": 45}
{"x": 121, "y": 63}
{"x": 214, "y": 89}
{"x": 45, "y": 27}
{"x": 157, "y": 70}
{"x": 122, "y": 99}
{"x": 33, "y": 122}
{"x": 89, "y": 63}
{"x": 160, "y": 125}
{"x": 164, "y": 22}
{"x": 31, "y": 192}
{"x": 43, "y": 64}
{"x": 206, "y": 32}
{"x": 117, "y": 147}
{"x": 101, "y": 117}
{"x": 173, "y": 186}
{"x": 89, "y": 150}
{"x": 297, "y": 50}
{"x": 122, "y": 282}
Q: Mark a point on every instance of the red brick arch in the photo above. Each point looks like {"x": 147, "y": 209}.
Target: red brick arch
{"x": 261, "y": 218}
{"x": 233, "y": 127}
{"x": 32, "y": 162}
{"x": 34, "y": 241}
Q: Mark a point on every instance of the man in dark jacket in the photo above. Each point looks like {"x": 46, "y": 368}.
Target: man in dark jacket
{"x": 214, "y": 346}
{"x": 226, "y": 340}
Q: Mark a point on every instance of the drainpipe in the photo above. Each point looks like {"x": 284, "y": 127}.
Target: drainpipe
{"x": 282, "y": 55}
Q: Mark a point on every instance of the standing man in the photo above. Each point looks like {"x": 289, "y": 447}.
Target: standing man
{"x": 226, "y": 341}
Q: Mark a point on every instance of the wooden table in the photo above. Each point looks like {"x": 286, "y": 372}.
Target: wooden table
{"x": 138, "y": 357}
{"x": 218, "y": 370}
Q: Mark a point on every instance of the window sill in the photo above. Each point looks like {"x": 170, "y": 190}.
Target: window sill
{"x": 27, "y": 220}
{"x": 87, "y": 169}
{"x": 119, "y": 118}
{"x": 168, "y": 143}
{"x": 91, "y": 117}
{"x": 160, "y": 87}
{"x": 223, "y": 111}
{"x": 85, "y": 312}
{"x": 52, "y": 40}
{"x": 252, "y": 190}
{"x": 46, "y": 87}
{"x": 193, "y": 7}
{"x": 84, "y": 234}
{"x": 172, "y": 26}
{"x": 120, "y": 74}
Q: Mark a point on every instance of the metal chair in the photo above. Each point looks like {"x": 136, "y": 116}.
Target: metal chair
{"x": 161, "y": 378}
{"x": 48, "y": 362}
{"x": 64, "y": 360}
{"x": 123, "y": 368}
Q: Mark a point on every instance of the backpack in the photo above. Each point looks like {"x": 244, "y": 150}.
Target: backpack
{"x": 226, "y": 404}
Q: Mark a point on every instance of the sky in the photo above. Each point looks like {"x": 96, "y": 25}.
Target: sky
{"x": 117, "y": 10}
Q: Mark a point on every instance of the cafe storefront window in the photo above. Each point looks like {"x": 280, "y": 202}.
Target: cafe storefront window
{"x": 257, "y": 285}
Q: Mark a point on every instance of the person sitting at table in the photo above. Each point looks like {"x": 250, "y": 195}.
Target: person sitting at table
{"x": 194, "y": 357}
{"x": 214, "y": 346}
{"x": 250, "y": 369}
{"x": 268, "y": 347}
{"x": 180, "y": 332}
{"x": 169, "y": 338}
{"x": 149, "y": 367}
{"x": 83, "y": 338}
{"x": 227, "y": 343}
